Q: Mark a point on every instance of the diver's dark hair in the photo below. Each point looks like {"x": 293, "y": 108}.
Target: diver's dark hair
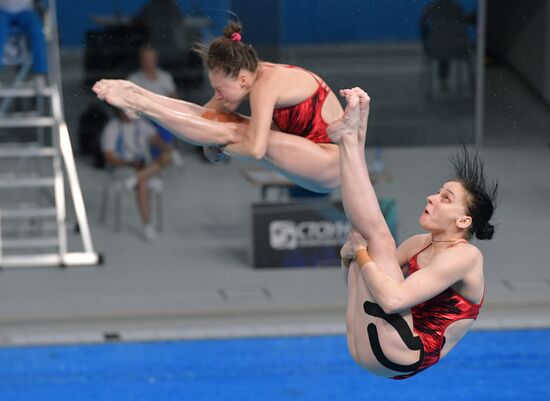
{"x": 482, "y": 196}
{"x": 228, "y": 53}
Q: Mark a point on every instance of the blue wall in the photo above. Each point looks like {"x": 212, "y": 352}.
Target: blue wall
{"x": 335, "y": 21}
{"x": 302, "y": 21}
{"x": 74, "y": 15}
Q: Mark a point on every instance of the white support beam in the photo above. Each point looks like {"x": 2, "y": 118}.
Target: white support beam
{"x": 480, "y": 72}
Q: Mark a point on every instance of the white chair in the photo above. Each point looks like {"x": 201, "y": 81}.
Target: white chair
{"x": 115, "y": 188}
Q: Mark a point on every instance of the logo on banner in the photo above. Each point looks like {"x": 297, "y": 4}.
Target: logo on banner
{"x": 288, "y": 235}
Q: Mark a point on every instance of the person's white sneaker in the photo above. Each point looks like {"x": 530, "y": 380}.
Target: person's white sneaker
{"x": 149, "y": 233}
{"x": 39, "y": 82}
{"x": 130, "y": 182}
{"x": 177, "y": 159}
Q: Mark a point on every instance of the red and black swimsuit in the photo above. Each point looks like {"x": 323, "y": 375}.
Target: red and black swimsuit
{"x": 305, "y": 119}
{"x": 432, "y": 317}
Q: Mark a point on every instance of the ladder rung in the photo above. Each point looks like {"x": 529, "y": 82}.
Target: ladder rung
{"x": 14, "y": 182}
{"x": 25, "y": 91}
{"x": 27, "y": 212}
{"x": 26, "y": 122}
{"x": 27, "y": 151}
{"x": 49, "y": 259}
{"x": 30, "y": 243}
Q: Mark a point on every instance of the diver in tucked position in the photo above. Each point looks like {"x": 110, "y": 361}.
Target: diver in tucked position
{"x": 409, "y": 306}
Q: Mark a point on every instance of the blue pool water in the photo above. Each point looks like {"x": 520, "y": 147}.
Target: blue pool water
{"x": 492, "y": 365}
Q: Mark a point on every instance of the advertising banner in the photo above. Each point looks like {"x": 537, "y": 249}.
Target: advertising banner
{"x": 299, "y": 234}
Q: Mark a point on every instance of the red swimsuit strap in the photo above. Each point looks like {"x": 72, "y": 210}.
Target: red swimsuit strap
{"x": 458, "y": 241}
{"x": 413, "y": 258}
{"x": 322, "y": 84}
{"x": 420, "y": 251}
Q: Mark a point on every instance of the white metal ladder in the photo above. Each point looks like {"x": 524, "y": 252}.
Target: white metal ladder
{"x": 38, "y": 235}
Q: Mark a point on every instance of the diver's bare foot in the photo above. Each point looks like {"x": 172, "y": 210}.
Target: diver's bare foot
{"x": 117, "y": 92}
{"x": 346, "y": 127}
{"x": 364, "y": 108}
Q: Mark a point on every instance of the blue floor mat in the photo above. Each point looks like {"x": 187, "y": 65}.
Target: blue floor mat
{"x": 495, "y": 365}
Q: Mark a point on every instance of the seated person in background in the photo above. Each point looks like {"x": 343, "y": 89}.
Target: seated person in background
{"x": 126, "y": 145}
{"x": 156, "y": 80}
{"x": 21, "y": 14}
{"x": 150, "y": 76}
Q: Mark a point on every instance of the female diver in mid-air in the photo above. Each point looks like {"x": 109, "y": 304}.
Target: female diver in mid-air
{"x": 409, "y": 306}
{"x": 290, "y": 111}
